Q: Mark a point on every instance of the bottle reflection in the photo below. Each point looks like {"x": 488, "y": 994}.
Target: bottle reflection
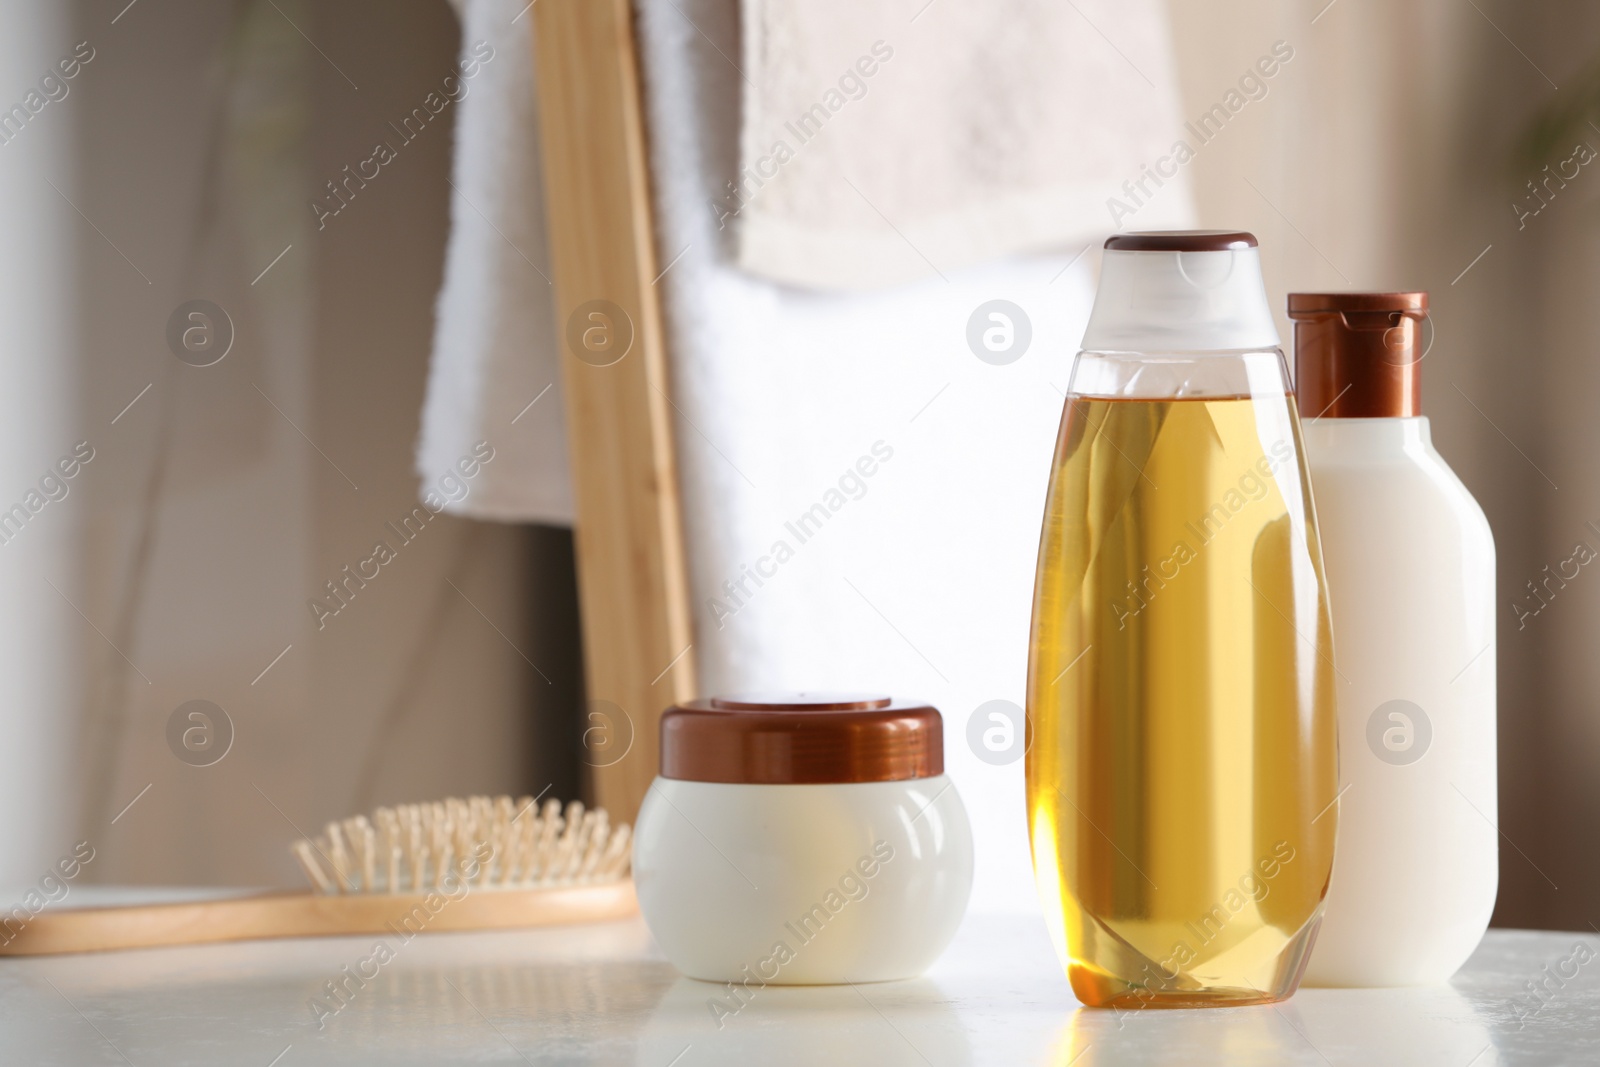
{"x": 1378, "y": 1026}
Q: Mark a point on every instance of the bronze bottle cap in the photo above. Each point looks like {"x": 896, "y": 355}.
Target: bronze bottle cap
{"x": 1358, "y": 355}
{"x": 801, "y": 738}
{"x": 1180, "y": 241}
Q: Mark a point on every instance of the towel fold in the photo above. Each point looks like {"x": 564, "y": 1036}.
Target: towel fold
{"x": 495, "y": 365}
{"x": 886, "y": 140}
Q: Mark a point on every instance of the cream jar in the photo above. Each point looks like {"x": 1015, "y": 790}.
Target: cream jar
{"x": 802, "y": 840}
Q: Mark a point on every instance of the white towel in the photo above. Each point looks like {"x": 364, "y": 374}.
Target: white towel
{"x": 494, "y": 346}
{"x": 892, "y": 139}
{"x": 916, "y": 578}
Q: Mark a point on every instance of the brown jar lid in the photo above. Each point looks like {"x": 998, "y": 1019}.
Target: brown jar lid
{"x": 1358, "y": 355}
{"x": 800, "y": 738}
{"x": 1180, "y": 241}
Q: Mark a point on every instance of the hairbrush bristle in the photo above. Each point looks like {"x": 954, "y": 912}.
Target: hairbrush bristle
{"x": 485, "y": 842}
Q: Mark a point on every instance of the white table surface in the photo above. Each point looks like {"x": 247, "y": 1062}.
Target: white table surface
{"x": 602, "y": 994}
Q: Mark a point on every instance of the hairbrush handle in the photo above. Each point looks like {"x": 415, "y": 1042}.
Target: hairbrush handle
{"x": 310, "y": 915}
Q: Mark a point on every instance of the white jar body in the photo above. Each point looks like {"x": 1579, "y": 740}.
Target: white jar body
{"x": 802, "y": 884}
{"x": 1410, "y": 568}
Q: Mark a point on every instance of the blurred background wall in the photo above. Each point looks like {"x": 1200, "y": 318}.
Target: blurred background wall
{"x": 1389, "y": 152}
{"x": 222, "y": 498}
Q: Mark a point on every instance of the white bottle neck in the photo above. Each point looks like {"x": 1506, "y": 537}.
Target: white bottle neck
{"x": 1374, "y": 438}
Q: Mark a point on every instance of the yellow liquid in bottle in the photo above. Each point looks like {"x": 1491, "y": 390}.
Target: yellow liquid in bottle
{"x": 1182, "y": 770}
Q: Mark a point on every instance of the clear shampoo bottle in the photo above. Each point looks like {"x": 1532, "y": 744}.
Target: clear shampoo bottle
{"x": 1182, "y": 771}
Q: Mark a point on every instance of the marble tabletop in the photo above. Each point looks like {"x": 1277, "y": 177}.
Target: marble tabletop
{"x": 602, "y": 994}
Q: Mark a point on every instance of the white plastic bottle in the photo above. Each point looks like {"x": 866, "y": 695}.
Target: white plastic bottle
{"x": 1410, "y": 568}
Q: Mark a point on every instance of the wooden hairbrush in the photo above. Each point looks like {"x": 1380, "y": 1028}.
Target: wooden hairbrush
{"x": 472, "y": 864}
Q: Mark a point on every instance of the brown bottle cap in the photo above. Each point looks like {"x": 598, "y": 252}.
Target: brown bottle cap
{"x": 1358, "y": 355}
{"x": 801, "y": 738}
{"x": 1180, "y": 241}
